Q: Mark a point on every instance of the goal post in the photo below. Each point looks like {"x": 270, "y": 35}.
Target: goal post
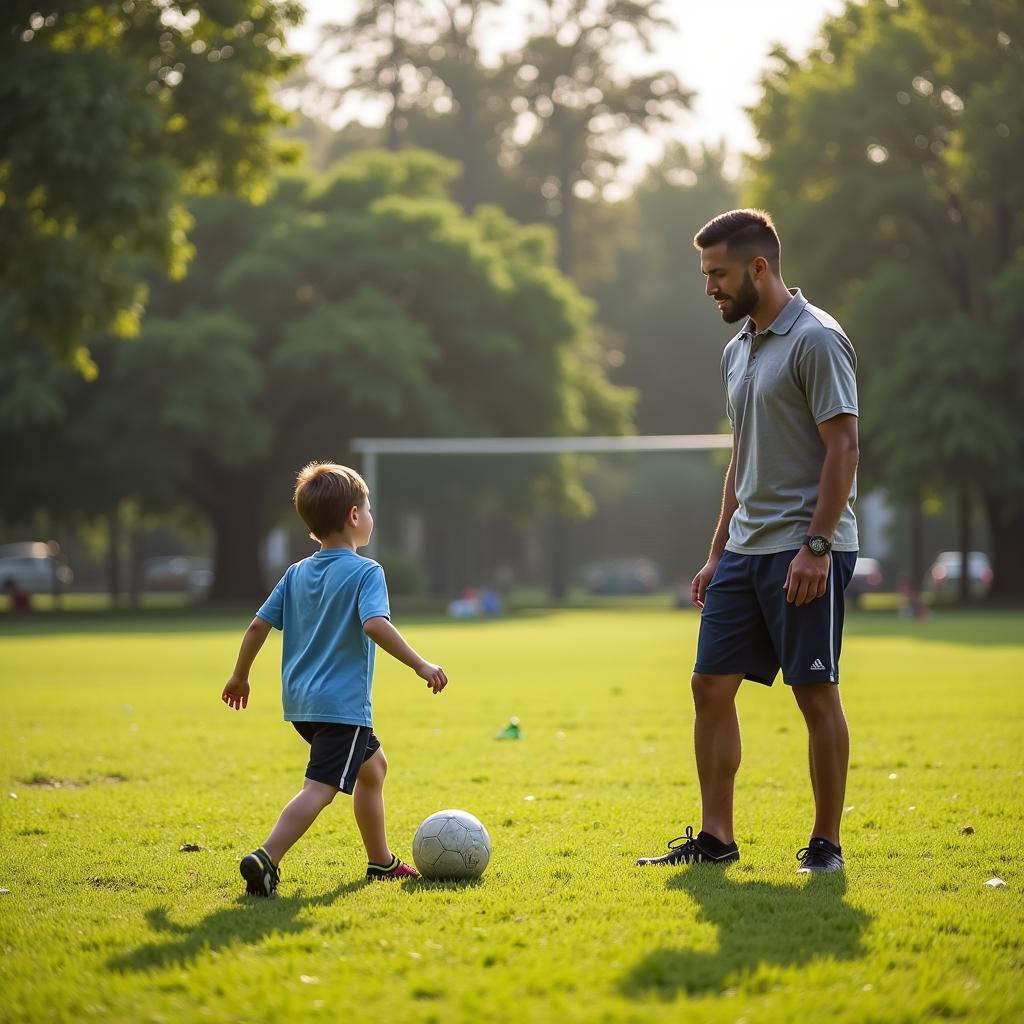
{"x": 373, "y": 449}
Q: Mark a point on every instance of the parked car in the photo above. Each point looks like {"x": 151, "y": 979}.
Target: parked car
{"x": 943, "y": 579}
{"x": 177, "y": 572}
{"x": 867, "y": 578}
{"x": 36, "y": 567}
{"x": 622, "y": 576}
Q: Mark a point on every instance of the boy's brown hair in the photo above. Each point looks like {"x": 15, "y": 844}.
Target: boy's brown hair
{"x": 325, "y": 493}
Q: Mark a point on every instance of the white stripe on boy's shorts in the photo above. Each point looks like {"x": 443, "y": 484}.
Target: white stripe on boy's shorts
{"x": 351, "y": 751}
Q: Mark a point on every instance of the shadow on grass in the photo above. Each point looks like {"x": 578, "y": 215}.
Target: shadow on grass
{"x": 759, "y": 923}
{"x": 248, "y": 919}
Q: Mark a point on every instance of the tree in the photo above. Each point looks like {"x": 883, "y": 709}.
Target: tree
{"x": 425, "y": 58}
{"x": 887, "y": 156}
{"x": 362, "y": 303}
{"x": 667, "y": 337}
{"x": 574, "y": 106}
{"x": 110, "y": 114}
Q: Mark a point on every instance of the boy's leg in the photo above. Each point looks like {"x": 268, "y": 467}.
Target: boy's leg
{"x": 829, "y": 744}
{"x": 716, "y": 741}
{"x": 368, "y": 806}
{"x": 299, "y": 813}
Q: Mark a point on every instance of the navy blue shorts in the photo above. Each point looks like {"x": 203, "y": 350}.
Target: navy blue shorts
{"x": 337, "y": 752}
{"x": 748, "y": 628}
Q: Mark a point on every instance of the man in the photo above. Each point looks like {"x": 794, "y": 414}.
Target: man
{"x": 771, "y": 593}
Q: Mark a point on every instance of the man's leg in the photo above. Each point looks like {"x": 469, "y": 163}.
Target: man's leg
{"x": 829, "y": 745}
{"x": 716, "y": 740}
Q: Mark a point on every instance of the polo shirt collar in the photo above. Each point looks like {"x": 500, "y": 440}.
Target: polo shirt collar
{"x": 786, "y": 318}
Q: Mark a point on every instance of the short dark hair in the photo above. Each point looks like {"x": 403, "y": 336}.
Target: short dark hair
{"x": 325, "y": 493}
{"x": 746, "y": 233}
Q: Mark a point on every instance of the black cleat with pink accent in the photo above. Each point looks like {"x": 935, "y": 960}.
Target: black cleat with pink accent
{"x": 396, "y": 869}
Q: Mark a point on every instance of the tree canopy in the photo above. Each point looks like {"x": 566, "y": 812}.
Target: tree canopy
{"x": 360, "y": 303}
{"x": 106, "y": 125}
{"x": 888, "y": 157}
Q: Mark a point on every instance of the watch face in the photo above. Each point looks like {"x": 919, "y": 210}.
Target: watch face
{"x": 818, "y": 545}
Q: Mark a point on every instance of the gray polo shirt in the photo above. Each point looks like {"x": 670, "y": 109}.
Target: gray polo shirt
{"x": 780, "y": 385}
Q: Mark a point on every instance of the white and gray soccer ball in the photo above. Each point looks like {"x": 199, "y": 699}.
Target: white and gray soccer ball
{"x": 451, "y": 844}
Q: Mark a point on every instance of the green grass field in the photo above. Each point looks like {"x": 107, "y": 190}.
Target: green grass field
{"x": 115, "y": 750}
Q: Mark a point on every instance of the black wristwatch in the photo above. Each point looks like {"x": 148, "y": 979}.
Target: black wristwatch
{"x": 818, "y": 544}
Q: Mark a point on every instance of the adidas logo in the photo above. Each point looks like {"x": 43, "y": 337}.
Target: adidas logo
{"x": 816, "y": 665}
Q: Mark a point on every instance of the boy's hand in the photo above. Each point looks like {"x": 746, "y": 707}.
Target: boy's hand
{"x": 236, "y": 693}
{"x": 434, "y": 675}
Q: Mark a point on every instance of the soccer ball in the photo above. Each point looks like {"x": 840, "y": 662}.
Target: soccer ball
{"x": 451, "y": 844}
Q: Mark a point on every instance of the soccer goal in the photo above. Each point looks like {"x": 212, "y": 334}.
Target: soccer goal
{"x": 467, "y": 512}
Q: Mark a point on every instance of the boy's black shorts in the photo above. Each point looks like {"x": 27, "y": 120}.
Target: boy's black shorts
{"x": 337, "y": 752}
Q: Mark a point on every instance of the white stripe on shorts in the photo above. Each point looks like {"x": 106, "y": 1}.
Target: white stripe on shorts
{"x": 352, "y": 750}
{"x": 831, "y": 619}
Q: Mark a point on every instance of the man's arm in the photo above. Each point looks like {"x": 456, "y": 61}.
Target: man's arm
{"x": 718, "y": 541}
{"x": 808, "y": 574}
{"x": 236, "y": 690}
{"x": 842, "y": 454}
{"x": 381, "y": 631}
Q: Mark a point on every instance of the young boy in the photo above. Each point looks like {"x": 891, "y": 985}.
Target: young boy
{"x": 333, "y": 610}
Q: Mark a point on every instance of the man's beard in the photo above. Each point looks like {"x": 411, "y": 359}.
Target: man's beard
{"x": 743, "y": 305}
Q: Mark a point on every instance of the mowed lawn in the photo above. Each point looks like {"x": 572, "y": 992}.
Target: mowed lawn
{"x": 115, "y": 751}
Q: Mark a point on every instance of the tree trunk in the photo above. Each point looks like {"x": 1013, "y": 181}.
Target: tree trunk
{"x": 1007, "y": 529}
{"x": 965, "y": 545}
{"x": 469, "y": 186}
{"x": 394, "y": 128}
{"x": 238, "y": 530}
{"x": 437, "y": 557}
{"x": 558, "y": 557}
{"x": 916, "y": 540}
{"x": 114, "y": 555}
{"x": 566, "y": 250}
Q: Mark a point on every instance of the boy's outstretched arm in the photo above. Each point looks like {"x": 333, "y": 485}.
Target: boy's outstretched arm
{"x": 384, "y": 635}
{"x": 236, "y": 689}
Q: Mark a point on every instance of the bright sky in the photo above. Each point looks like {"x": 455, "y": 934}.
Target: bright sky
{"x": 718, "y": 50}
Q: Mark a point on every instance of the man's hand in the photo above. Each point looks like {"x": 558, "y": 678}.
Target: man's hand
{"x": 701, "y": 581}
{"x": 807, "y": 577}
{"x": 434, "y": 675}
{"x": 236, "y": 693}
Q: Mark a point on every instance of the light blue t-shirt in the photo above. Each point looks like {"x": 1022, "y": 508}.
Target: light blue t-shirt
{"x": 321, "y": 604}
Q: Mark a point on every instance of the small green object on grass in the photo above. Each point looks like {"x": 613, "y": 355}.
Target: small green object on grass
{"x": 511, "y": 731}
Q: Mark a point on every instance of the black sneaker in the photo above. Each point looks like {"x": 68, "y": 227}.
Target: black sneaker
{"x": 261, "y": 877}
{"x": 819, "y": 856}
{"x": 687, "y": 849}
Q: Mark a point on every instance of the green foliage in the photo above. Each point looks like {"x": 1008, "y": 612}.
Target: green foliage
{"x": 655, "y": 309}
{"x": 574, "y": 104}
{"x": 110, "y": 115}
{"x": 362, "y": 304}
{"x": 888, "y": 159}
{"x": 108, "y": 920}
{"x": 542, "y": 133}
